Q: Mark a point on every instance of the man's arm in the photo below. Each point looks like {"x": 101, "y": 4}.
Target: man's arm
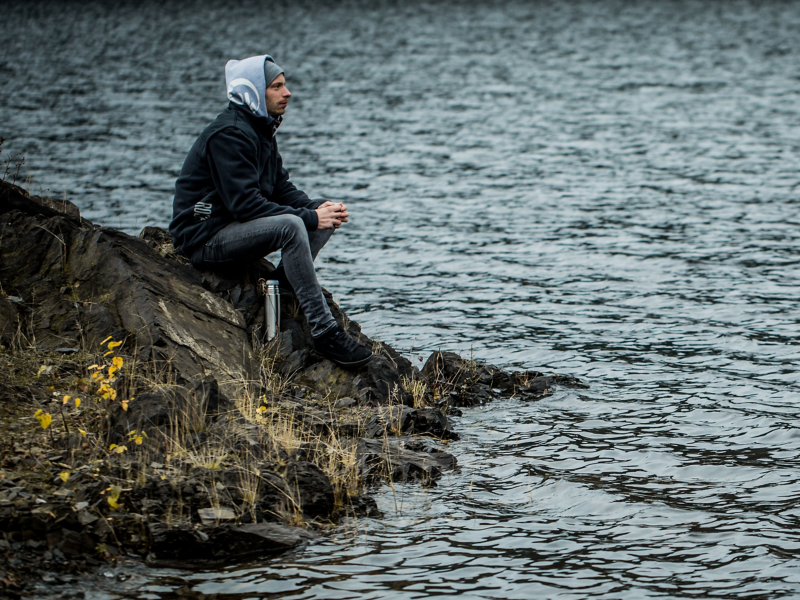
{"x": 234, "y": 171}
{"x": 330, "y": 215}
{"x": 287, "y": 193}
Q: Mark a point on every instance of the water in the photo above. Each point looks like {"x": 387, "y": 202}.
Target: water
{"x": 601, "y": 188}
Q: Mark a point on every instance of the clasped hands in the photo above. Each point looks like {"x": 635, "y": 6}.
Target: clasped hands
{"x": 331, "y": 215}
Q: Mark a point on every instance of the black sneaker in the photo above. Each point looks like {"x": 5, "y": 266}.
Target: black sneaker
{"x": 337, "y": 346}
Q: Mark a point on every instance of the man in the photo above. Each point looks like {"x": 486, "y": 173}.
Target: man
{"x": 234, "y": 201}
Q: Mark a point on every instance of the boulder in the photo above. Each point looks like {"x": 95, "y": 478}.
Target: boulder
{"x": 314, "y": 490}
{"x": 397, "y": 420}
{"x": 164, "y": 412}
{"x": 402, "y": 459}
{"x": 463, "y": 382}
{"x": 224, "y": 543}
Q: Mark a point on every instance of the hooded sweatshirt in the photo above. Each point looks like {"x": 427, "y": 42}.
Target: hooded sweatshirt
{"x": 234, "y": 172}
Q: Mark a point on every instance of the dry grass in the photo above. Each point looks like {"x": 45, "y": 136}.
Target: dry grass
{"x": 264, "y": 412}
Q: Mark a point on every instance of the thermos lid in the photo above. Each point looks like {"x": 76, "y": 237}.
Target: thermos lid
{"x": 273, "y": 282}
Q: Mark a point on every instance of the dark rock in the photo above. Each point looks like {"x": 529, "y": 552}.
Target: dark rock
{"x": 275, "y": 496}
{"x": 313, "y": 488}
{"x": 362, "y": 506}
{"x": 119, "y": 286}
{"x": 397, "y": 420}
{"x": 36, "y": 205}
{"x": 9, "y": 321}
{"x": 162, "y": 412}
{"x": 390, "y": 459}
{"x": 427, "y": 420}
{"x": 71, "y": 543}
{"x": 226, "y": 543}
{"x": 462, "y": 382}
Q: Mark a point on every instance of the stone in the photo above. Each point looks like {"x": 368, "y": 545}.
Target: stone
{"x": 313, "y": 488}
{"x": 389, "y": 458}
{"x": 224, "y": 543}
{"x": 210, "y": 516}
{"x": 464, "y": 382}
{"x": 9, "y": 321}
{"x": 163, "y": 411}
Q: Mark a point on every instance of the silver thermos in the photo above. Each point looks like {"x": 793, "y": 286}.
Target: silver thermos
{"x": 272, "y": 309}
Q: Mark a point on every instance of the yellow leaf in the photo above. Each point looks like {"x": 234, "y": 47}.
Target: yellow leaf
{"x": 38, "y": 412}
{"x": 113, "y": 503}
{"x": 64, "y": 476}
{"x": 112, "y": 345}
{"x": 124, "y": 404}
{"x": 262, "y": 409}
{"x": 109, "y": 352}
{"x": 97, "y": 375}
{"x": 77, "y": 402}
{"x": 44, "y": 420}
{"x": 111, "y": 371}
{"x": 118, "y": 362}
{"x": 112, "y": 446}
{"x": 83, "y": 432}
{"x": 66, "y": 399}
{"x": 93, "y": 367}
{"x": 112, "y": 393}
{"x": 105, "y": 340}
{"x": 120, "y": 449}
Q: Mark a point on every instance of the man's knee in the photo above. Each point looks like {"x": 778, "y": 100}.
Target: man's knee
{"x": 293, "y": 228}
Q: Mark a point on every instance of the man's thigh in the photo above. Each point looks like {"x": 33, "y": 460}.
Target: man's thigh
{"x": 250, "y": 241}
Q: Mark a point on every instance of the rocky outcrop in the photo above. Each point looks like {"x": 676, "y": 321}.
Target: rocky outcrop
{"x": 86, "y": 283}
{"x": 461, "y": 382}
{"x": 214, "y": 463}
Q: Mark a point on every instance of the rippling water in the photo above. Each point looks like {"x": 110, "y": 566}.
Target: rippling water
{"x": 605, "y": 189}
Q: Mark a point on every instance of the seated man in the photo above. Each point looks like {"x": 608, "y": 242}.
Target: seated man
{"x": 234, "y": 201}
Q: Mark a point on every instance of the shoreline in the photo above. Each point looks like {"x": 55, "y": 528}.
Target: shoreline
{"x": 142, "y": 416}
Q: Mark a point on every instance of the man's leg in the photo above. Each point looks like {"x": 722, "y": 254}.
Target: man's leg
{"x": 317, "y": 240}
{"x": 243, "y": 242}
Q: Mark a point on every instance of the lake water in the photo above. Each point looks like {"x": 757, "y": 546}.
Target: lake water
{"x": 605, "y": 189}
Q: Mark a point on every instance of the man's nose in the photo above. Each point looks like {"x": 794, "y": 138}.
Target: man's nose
{"x": 287, "y": 93}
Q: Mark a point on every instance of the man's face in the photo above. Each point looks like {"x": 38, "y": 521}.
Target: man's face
{"x": 277, "y": 96}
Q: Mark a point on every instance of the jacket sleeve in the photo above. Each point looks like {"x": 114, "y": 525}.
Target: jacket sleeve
{"x": 286, "y": 192}
{"x": 234, "y": 171}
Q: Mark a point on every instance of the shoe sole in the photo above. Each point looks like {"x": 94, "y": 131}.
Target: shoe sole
{"x": 358, "y": 363}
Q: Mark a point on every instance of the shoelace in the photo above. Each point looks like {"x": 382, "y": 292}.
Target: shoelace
{"x": 346, "y": 341}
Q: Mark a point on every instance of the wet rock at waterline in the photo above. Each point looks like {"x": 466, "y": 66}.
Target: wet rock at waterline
{"x": 223, "y": 542}
{"x": 463, "y": 382}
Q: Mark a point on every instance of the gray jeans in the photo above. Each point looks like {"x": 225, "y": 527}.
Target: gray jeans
{"x": 244, "y": 242}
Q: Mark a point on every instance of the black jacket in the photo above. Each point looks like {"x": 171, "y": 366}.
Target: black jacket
{"x": 234, "y": 173}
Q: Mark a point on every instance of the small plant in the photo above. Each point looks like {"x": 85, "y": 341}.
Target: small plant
{"x": 106, "y": 374}
{"x": 418, "y": 390}
{"x": 20, "y": 160}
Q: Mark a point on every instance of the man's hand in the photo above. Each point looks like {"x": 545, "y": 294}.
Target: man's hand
{"x": 331, "y": 215}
